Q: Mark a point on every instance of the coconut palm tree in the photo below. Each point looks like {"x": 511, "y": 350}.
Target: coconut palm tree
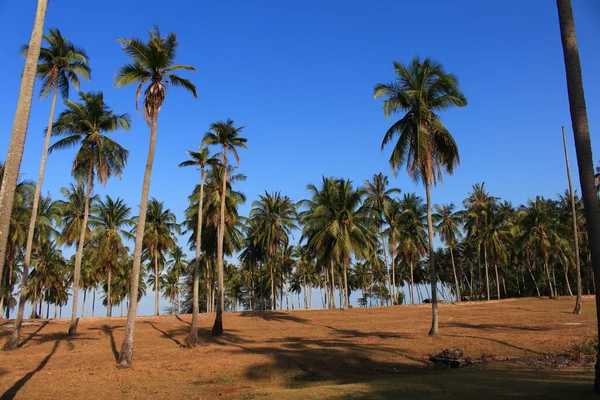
{"x": 448, "y": 227}
{"x": 60, "y": 65}
{"x": 226, "y": 135}
{"x": 583, "y": 146}
{"x": 378, "y": 198}
{"x": 110, "y": 219}
{"x": 424, "y": 145}
{"x": 86, "y": 124}
{"x": 161, "y": 225}
{"x": 273, "y": 217}
{"x": 152, "y": 64}
{"x": 178, "y": 265}
{"x": 17, "y": 140}
{"x": 199, "y": 159}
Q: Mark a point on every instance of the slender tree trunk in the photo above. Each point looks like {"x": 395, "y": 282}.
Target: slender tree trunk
{"x": 17, "y": 140}
{"x": 156, "y": 285}
{"x": 385, "y": 258}
{"x": 456, "y": 285}
{"x": 332, "y": 295}
{"x": 208, "y": 286}
{"x": 79, "y": 254}
{"x": 412, "y": 284}
{"x": 126, "y": 355}
{"x": 433, "y": 276}
{"x": 108, "y": 292}
{"x": 272, "y": 278}
{"x": 549, "y": 279}
{"x": 583, "y": 148}
{"x": 497, "y": 281}
{"x": 34, "y": 209}
{"x": 346, "y": 296}
{"x": 394, "y": 292}
{"x": 93, "y": 302}
{"x": 217, "y": 329}
{"x": 84, "y": 302}
{"x": 577, "y": 309}
{"x": 487, "y": 278}
{"x": 537, "y": 289}
{"x": 568, "y": 284}
{"x": 55, "y": 310}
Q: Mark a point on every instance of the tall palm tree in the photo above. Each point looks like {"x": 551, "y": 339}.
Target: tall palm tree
{"x": 178, "y": 265}
{"x": 152, "y": 63}
{"x": 60, "y": 65}
{"x": 199, "y": 159}
{"x": 17, "y": 140}
{"x": 86, "y": 125}
{"x": 583, "y": 146}
{"x": 161, "y": 225}
{"x": 273, "y": 218}
{"x": 424, "y": 144}
{"x": 378, "y": 198}
{"x": 338, "y": 225}
{"x": 109, "y": 220}
{"x": 448, "y": 227}
{"x": 226, "y": 135}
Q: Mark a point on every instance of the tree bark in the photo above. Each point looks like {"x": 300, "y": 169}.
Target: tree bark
{"x": 192, "y": 339}
{"x": 583, "y": 148}
{"x": 19, "y": 131}
{"x": 412, "y": 284}
{"x": 346, "y": 296}
{"x": 497, "y": 281}
{"x": 217, "y": 329}
{"x": 387, "y": 267}
{"x": 108, "y": 293}
{"x": 432, "y": 274}
{"x": 126, "y": 355}
{"x": 487, "y": 278}
{"x": 577, "y": 309}
{"x": 156, "y": 285}
{"x": 79, "y": 253}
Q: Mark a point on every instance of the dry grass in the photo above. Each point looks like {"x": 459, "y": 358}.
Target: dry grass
{"x": 359, "y": 353}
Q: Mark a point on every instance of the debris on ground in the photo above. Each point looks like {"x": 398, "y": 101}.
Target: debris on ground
{"x": 451, "y": 358}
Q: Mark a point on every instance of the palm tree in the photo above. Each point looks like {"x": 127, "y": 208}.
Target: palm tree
{"x": 59, "y": 66}
{"x": 17, "y": 141}
{"x": 109, "y": 220}
{"x": 86, "y": 124}
{"x": 337, "y": 225}
{"x": 583, "y": 146}
{"x": 273, "y": 218}
{"x": 200, "y": 159}
{"x": 226, "y": 135}
{"x": 448, "y": 227}
{"x": 153, "y": 63}
{"x": 161, "y": 225}
{"x": 178, "y": 264}
{"x": 378, "y": 197}
{"x": 425, "y": 145}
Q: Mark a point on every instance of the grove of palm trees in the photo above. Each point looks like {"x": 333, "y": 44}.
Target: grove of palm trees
{"x": 174, "y": 251}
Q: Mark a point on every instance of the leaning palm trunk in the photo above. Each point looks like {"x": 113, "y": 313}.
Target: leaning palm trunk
{"x": 583, "y": 148}
{"x": 217, "y": 329}
{"x": 192, "y": 339}
{"x": 432, "y": 274}
{"x": 126, "y": 355}
{"x": 31, "y": 229}
{"x": 19, "y": 130}
{"x": 456, "y": 285}
{"x": 577, "y": 309}
{"x": 549, "y": 278}
{"x": 568, "y": 284}
{"x": 497, "y": 281}
{"x": 79, "y": 254}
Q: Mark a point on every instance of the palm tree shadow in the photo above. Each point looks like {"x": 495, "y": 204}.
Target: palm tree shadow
{"x": 165, "y": 334}
{"x": 24, "y": 342}
{"x": 109, "y": 331}
{"x": 14, "y": 389}
{"x": 180, "y": 319}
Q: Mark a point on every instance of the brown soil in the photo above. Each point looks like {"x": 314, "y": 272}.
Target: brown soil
{"x": 279, "y": 350}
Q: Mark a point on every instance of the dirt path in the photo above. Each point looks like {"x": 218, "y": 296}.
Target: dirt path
{"x": 261, "y": 352}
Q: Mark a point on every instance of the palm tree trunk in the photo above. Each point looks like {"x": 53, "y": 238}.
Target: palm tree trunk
{"x": 346, "y": 296}
{"x": 332, "y": 294}
{"x": 387, "y": 267}
{"x": 93, "y": 302}
{"x": 108, "y": 293}
{"x": 126, "y": 355}
{"x": 156, "y": 285}
{"x": 394, "y": 291}
{"x": 583, "y": 148}
{"x": 456, "y": 285}
{"x": 487, "y": 278}
{"x": 497, "y": 281}
{"x": 79, "y": 254}
{"x": 568, "y": 284}
{"x": 217, "y": 329}
{"x": 549, "y": 279}
{"x": 208, "y": 287}
{"x": 84, "y": 302}
{"x": 34, "y": 211}
{"x": 432, "y": 274}
{"x": 537, "y": 289}
{"x": 17, "y": 140}
{"x": 272, "y": 278}
{"x": 577, "y": 309}
{"x": 412, "y": 284}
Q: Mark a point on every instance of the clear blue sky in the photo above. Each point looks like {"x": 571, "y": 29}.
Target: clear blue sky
{"x": 299, "y": 75}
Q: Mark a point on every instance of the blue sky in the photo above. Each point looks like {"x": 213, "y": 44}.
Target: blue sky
{"x": 300, "y": 74}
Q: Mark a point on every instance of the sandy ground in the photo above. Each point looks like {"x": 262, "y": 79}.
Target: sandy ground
{"x": 276, "y": 351}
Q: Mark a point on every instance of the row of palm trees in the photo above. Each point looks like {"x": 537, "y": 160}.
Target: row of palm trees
{"x": 339, "y": 226}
